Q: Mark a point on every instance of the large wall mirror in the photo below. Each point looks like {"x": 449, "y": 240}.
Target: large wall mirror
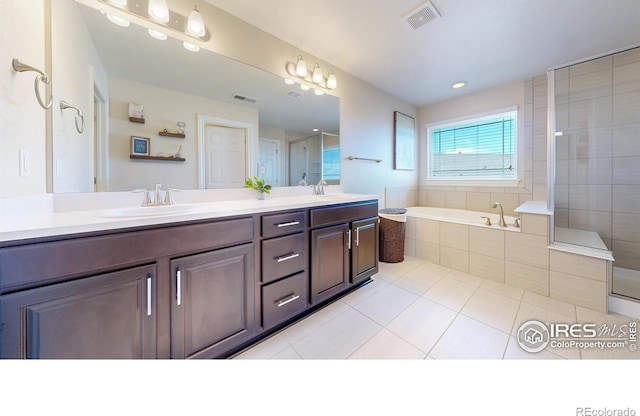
{"x": 238, "y": 120}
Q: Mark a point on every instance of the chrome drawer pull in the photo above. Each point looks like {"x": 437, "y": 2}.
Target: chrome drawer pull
{"x": 291, "y": 297}
{"x": 149, "y": 293}
{"x": 178, "y": 287}
{"x": 288, "y": 224}
{"x": 287, "y": 257}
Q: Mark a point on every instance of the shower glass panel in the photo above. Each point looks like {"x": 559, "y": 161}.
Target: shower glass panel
{"x": 597, "y": 161}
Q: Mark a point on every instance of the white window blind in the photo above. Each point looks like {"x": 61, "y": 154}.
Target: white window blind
{"x": 478, "y": 148}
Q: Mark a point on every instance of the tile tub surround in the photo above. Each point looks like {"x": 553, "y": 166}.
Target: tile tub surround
{"x": 517, "y": 257}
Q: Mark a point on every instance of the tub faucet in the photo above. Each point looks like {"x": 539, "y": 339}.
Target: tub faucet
{"x": 502, "y": 221}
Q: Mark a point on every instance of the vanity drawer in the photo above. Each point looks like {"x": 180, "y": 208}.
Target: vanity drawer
{"x": 283, "y": 256}
{"x": 284, "y": 299}
{"x": 281, "y": 224}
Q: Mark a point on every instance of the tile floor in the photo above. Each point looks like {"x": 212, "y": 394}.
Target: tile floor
{"x": 420, "y": 310}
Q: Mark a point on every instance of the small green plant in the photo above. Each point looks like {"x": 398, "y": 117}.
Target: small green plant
{"x": 257, "y": 184}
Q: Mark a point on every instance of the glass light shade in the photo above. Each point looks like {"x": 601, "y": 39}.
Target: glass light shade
{"x": 304, "y": 87}
{"x": 301, "y": 67}
{"x": 289, "y": 81}
{"x": 190, "y": 46}
{"x": 118, "y": 20}
{"x": 317, "y": 74}
{"x": 158, "y": 10}
{"x": 119, "y": 2}
{"x": 318, "y": 92}
{"x": 332, "y": 82}
{"x": 195, "y": 23}
{"x": 158, "y": 35}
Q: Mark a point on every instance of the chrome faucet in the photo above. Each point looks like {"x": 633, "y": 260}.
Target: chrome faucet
{"x": 502, "y": 222}
{"x": 157, "y": 198}
{"x": 319, "y": 188}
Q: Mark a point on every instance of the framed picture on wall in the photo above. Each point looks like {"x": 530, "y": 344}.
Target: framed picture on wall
{"x": 140, "y": 146}
{"x": 404, "y": 138}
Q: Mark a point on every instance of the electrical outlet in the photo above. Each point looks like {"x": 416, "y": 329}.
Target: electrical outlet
{"x": 25, "y": 161}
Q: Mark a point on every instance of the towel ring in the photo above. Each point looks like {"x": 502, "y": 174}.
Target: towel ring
{"x": 79, "y": 116}
{"x": 19, "y": 66}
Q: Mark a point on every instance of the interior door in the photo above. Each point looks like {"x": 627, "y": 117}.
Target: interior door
{"x": 268, "y": 161}
{"x": 225, "y": 161}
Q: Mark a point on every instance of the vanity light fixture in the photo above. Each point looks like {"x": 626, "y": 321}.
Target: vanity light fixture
{"x": 195, "y": 23}
{"x": 158, "y": 10}
{"x": 157, "y": 34}
{"x": 301, "y": 67}
{"x": 299, "y": 74}
{"x": 459, "y": 84}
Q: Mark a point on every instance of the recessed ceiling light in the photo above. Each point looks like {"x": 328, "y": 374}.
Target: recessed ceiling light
{"x": 459, "y": 84}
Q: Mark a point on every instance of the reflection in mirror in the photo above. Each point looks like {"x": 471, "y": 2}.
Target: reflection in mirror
{"x": 238, "y": 120}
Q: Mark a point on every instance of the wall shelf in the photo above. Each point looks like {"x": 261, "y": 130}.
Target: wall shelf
{"x": 167, "y": 134}
{"x": 136, "y": 120}
{"x": 163, "y": 158}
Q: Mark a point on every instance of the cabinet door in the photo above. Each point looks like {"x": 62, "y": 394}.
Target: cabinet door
{"x": 213, "y": 302}
{"x": 106, "y": 316}
{"x": 364, "y": 249}
{"x": 329, "y": 261}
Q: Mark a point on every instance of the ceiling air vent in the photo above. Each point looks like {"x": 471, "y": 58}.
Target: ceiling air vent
{"x": 243, "y": 98}
{"x": 421, "y": 16}
{"x": 294, "y": 94}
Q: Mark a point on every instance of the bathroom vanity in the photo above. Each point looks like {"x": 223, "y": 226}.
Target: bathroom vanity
{"x": 198, "y": 285}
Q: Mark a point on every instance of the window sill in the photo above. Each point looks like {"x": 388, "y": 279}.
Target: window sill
{"x": 506, "y": 183}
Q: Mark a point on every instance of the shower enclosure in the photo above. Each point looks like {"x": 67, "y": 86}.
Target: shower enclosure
{"x": 596, "y": 106}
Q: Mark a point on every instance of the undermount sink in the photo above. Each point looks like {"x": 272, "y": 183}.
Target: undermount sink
{"x": 150, "y": 211}
{"x": 333, "y": 196}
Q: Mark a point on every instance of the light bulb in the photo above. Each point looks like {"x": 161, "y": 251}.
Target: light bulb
{"x": 157, "y": 34}
{"x": 158, "y": 10}
{"x": 332, "y": 82}
{"x": 195, "y": 23}
{"x": 301, "y": 67}
{"x": 190, "y": 46}
{"x": 317, "y": 74}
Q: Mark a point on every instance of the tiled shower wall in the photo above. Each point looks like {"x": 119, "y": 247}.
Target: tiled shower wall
{"x": 481, "y": 198}
{"x": 598, "y": 155}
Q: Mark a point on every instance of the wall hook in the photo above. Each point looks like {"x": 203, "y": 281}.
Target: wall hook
{"x": 19, "y": 66}
{"x": 79, "y": 116}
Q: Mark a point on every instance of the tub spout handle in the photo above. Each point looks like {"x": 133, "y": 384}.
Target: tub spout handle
{"x": 488, "y": 222}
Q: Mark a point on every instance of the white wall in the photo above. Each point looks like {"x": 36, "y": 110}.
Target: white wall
{"x": 76, "y": 69}
{"x": 162, "y": 109}
{"x": 22, "y": 120}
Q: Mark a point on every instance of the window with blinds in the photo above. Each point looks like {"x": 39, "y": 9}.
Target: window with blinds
{"x": 478, "y": 148}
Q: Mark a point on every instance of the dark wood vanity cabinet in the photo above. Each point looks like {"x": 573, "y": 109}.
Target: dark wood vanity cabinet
{"x": 204, "y": 289}
{"x": 111, "y": 315}
{"x": 344, "y": 248}
{"x": 212, "y": 307}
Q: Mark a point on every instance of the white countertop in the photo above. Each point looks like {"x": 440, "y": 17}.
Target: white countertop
{"x": 52, "y": 215}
